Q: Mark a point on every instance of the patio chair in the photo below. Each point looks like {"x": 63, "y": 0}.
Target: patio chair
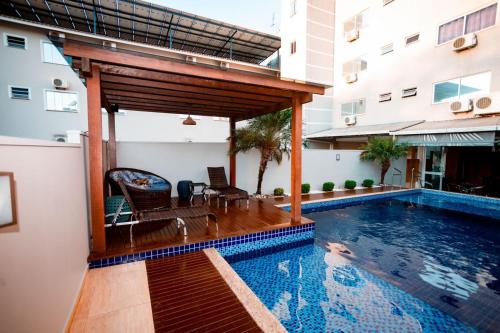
{"x": 219, "y": 184}
{"x": 149, "y": 199}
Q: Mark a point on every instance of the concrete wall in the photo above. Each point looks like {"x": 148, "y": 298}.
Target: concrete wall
{"x": 177, "y": 161}
{"x": 43, "y": 258}
{"x": 416, "y": 65}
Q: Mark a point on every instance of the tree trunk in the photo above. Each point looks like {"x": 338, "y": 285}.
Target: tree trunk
{"x": 385, "y": 167}
{"x": 262, "y": 169}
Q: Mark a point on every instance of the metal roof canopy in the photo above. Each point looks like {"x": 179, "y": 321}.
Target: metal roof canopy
{"x": 354, "y": 131}
{"x": 143, "y": 22}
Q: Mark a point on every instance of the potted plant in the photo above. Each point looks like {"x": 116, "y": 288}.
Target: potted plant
{"x": 279, "y": 192}
{"x": 350, "y": 184}
{"x": 328, "y": 186}
{"x": 368, "y": 183}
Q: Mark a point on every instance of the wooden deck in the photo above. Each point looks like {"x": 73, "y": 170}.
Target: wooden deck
{"x": 189, "y": 295}
{"x": 262, "y": 215}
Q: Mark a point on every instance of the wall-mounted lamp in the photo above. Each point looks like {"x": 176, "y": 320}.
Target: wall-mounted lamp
{"x": 337, "y": 157}
{"x": 8, "y": 214}
{"x": 189, "y": 121}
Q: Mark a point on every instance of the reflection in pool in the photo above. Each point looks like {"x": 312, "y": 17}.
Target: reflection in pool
{"x": 311, "y": 288}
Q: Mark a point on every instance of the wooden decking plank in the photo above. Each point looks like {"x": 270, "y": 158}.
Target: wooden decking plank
{"x": 189, "y": 295}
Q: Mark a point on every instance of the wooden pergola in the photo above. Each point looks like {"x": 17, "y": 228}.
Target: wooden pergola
{"x": 141, "y": 81}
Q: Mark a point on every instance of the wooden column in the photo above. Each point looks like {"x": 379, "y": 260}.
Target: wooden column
{"x": 112, "y": 140}
{"x": 96, "y": 160}
{"x": 296, "y": 165}
{"x": 232, "y": 158}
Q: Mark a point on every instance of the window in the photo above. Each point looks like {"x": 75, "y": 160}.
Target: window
{"x": 19, "y": 92}
{"x": 356, "y": 65}
{"x": 412, "y": 39}
{"x": 462, "y": 87}
{"x": 409, "y": 92}
{"x": 56, "y": 100}
{"x": 293, "y": 47}
{"x": 293, "y": 7}
{"x": 357, "y": 22}
{"x": 353, "y": 108}
{"x": 385, "y": 97}
{"x": 386, "y": 49}
{"x": 17, "y": 42}
{"x": 51, "y": 54}
{"x": 473, "y": 22}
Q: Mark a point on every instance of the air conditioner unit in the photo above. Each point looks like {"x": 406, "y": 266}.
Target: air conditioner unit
{"x": 461, "y": 105}
{"x": 108, "y": 44}
{"x": 464, "y": 42}
{"x": 55, "y": 35}
{"x": 350, "y": 120}
{"x": 352, "y": 35}
{"x": 191, "y": 59}
{"x": 351, "y": 77}
{"x": 487, "y": 104}
{"x": 60, "y": 83}
{"x": 60, "y": 138}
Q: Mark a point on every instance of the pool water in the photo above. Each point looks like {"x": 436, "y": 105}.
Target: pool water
{"x": 392, "y": 265}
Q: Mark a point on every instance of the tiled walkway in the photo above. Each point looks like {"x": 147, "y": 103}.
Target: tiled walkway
{"x": 195, "y": 292}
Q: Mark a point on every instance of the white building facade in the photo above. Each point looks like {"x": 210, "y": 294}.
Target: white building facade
{"x": 424, "y": 72}
{"x": 307, "y": 46}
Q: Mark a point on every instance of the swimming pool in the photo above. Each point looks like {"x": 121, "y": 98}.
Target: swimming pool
{"x": 404, "y": 263}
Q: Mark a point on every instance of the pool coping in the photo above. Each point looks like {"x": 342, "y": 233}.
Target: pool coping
{"x": 403, "y": 190}
{"x": 254, "y": 306}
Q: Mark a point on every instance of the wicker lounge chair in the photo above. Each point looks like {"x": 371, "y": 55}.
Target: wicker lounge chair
{"x": 149, "y": 198}
{"x": 219, "y": 184}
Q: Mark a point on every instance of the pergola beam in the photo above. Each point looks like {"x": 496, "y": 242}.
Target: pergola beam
{"x": 132, "y": 81}
{"x": 191, "y": 95}
{"x": 180, "y": 99}
{"x": 164, "y": 65}
{"x": 193, "y": 81}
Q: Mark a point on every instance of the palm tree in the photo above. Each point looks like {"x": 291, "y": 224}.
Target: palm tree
{"x": 382, "y": 151}
{"x": 270, "y": 134}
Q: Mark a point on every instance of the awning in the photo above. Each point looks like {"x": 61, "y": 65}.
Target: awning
{"x": 355, "y": 131}
{"x": 455, "y": 132}
{"x": 449, "y": 139}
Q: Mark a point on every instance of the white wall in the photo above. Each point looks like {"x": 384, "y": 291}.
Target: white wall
{"x": 417, "y": 65}
{"x": 177, "y": 161}
{"x": 43, "y": 258}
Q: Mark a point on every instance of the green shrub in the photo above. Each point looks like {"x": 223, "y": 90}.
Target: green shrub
{"x": 279, "y": 192}
{"x": 328, "y": 186}
{"x": 368, "y": 182}
{"x": 306, "y": 188}
{"x": 350, "y": 184}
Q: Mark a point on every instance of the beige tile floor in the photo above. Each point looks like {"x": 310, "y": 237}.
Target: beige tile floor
{"x": 114, "y": 299}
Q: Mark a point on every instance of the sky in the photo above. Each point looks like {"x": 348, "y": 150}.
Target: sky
{"x": 253, "y": 14}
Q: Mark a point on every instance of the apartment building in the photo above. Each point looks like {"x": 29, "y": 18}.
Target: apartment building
{"x": 426, "y": 72}
{"x": 307, "y": 37}
{"x": 43, "y": 98}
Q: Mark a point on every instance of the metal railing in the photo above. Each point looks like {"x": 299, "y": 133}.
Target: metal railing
{"x": 397, "y": 173}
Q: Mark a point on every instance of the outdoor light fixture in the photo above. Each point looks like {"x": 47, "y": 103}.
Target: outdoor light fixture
{"x": 8, "y": 214}
{"x": 189, "y": 121}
